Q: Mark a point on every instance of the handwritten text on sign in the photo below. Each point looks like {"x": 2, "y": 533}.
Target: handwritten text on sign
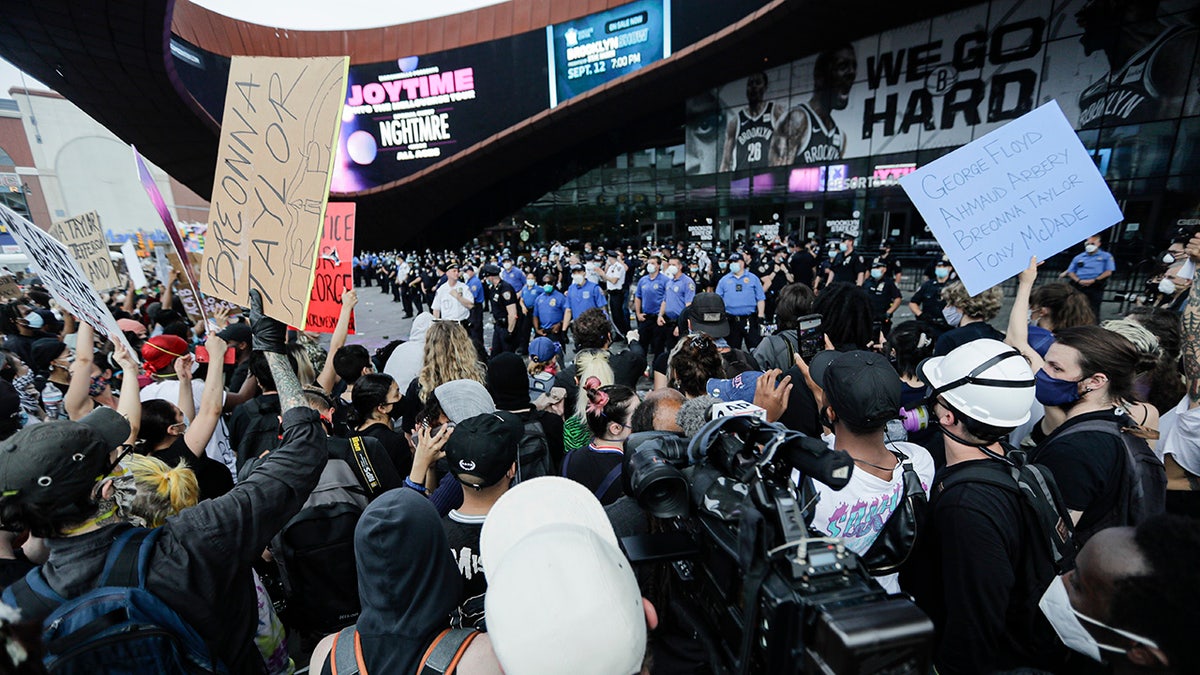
{"x": 334, "y": 269}
{"x": 84, "y": 238}
{"x": 62, "y": 275}
{"x": 1028, "y": 188}
{"x": 272, "y": 180}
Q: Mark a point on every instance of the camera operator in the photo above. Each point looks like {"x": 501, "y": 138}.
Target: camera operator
{"x": 982, "y": 561}
{"x": 862, "y": 392}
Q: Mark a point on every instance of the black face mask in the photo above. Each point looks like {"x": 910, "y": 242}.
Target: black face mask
{"x": 395, "y": 412}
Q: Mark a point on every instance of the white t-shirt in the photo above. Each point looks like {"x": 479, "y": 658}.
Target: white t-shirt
{"x": 857, "y": 512}
{"x": 450, "y": 308}
{"x": 218, "y": 447}
{"x": 617, "y": 269}
{"x": 1180, "y": 436}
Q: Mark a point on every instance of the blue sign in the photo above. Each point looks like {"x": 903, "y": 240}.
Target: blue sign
{"x": 585, "y": 53}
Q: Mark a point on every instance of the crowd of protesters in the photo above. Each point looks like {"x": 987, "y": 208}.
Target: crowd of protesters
{"x": 454, "y": 502}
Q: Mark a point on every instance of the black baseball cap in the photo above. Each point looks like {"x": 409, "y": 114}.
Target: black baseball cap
{"x": 707, "y": 315}
{"x": 55, "y": 463}
{"x": 879, "y": 262}
{"x": 235, "y": 332}
{"x": 481, "y": 449}
{"x": 860, "y": 386}
{"x": 735, "y": 256}
{"x": 847, "y": 235}
{"x": 489, "y": 270}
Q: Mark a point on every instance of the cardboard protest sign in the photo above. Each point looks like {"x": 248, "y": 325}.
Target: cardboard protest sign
{"x": 84, "y": 238}
{"x": 133, "y": 264}
{"x": 199, "y": 307}
{"x": 334, "y": 272}
{"x": 9, "y": 288}
{"x": 1028, "y": 188}
{"x": 63, "y": 276}
{"x": 278, "y": 137}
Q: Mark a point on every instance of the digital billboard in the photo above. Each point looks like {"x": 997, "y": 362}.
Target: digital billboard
{"x": 585, "y": 53}
{"x": 404, "y": 115}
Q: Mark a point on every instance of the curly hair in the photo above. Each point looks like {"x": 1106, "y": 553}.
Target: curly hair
{"x": 591, "y": 330}
{"x": 1067, "y": 306}
{"x": 845, "y": 311}
{"x": 449, "y": 355}
{"x": 162, "y": 491}
{"x": 984, "y": 306}
{"x": 695, "y": 361}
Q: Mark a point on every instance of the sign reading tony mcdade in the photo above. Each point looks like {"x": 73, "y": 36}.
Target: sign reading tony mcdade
{"x": 1028, "y": 188}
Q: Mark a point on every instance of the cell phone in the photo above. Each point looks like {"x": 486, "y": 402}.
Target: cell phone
{"x": 202, "y": 355}
{"x": 810, "y": 336}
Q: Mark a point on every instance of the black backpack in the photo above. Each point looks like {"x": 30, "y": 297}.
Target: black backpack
{"x": 1043, "y": 509}
{"x": 262, "y": 431}
{"x": 533, "y": 455}
{"x": 315, "y": 552}
{"x": 1143, "y": 491}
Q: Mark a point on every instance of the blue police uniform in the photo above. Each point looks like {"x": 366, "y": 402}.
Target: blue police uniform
{"x": 678, "y": 296}
{"x": 529, "y": 295}
{"x": 476, "y": 287}
{"x": 549, "y": 309}
{"x": 649, "y": 291}
{"x": 514, "y": 277}
{"x": 1089, "y": 266}
{"x": 582, "y": 298}
{"x": 742, "y": 293}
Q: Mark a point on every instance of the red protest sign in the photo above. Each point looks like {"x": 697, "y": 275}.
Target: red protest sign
{"x": 334, "y": 273}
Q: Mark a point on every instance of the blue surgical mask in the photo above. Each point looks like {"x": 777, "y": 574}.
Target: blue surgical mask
{"x": 1053, "y": 391}
{"x": 877, "y": 273}
{"x": 952, "y": 315}
{"x": 941, "y": 272}
{"x": 736, "y": 268}
{"x": 548, "y": 288}
{"x": 843, "y": 247}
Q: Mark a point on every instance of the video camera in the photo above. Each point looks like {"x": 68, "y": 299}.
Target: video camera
{"x": 736, "y": 500}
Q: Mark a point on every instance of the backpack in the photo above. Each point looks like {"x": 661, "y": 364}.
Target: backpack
{"x": 117, "y": 627}
{"x": 533, "y": 455}
{"x": 442, "y": 656}
{"x": 1043, "y": 509}
{"x": 262, "y": 429}
{"x": 315, "y": 553}
{"x": 1143, "y": 493}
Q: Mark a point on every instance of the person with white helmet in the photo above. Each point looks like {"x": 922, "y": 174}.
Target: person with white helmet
{"x": 983, "y": 560}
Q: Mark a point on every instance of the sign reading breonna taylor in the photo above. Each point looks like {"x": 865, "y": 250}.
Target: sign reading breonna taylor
{"x": 1026, "y": 189}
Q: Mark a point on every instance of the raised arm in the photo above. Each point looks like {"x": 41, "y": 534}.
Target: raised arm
{"x": 187, "y": 398}
{"x": 1191, "y": 331}
{"x": 269, "y": 337}
{"x": 202, "y": 426}
{"x": 76, "y": 400}
{"x": 328, "y": 378}
{"x": 168, "y": 294}
{"x": 1018, "y": 317}
{"x": 130, "y": 403}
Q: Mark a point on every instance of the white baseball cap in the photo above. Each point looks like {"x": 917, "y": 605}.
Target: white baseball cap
{"x": 561, "y": 598}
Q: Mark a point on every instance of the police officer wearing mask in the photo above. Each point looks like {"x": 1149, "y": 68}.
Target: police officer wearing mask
{"x": 926, "y": 304}
{"x": 503, "y": 301}
{"x": 885, "y": 297}
{"x": 745, "y": 303}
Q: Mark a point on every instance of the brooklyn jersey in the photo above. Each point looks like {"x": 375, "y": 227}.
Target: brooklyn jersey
{"x": 1128, "y": 96}
{"x": 754, "y": 137}
{"x": 823, "y": 145}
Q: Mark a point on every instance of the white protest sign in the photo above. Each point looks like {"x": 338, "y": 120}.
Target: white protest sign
{"x": 133, "y": 264}
{"x": 162, "y": 266}
{"x": 63, "y": 276}
{"x": 1028, "y": 188}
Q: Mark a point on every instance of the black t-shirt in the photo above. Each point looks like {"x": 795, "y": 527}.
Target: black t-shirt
{"x": 978, "y": 574}
{"x": 960, "y": 336}
{"x": 386, "y": 473}
{"x": 592, "y": 467}
{"x": 802, "y": 264}
{"x": 1089, "y": 467}
{"x": 847, "y": 267}
{"x": 212, "y": 476}
{"x": 881, "y": 292}
{"x": 462, "y": 533}
{"x": 929, "y": 298}
{"x": 395, "y": 445}
{"x": 500, "y": 297}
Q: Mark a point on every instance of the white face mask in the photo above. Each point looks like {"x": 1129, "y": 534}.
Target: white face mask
{"x": 508, "y": 266}
{"x": 672, "y": 270}
{"x": 578, "y": 279}
{"x": 952, "y": 315}
{"x": 651, "y": 268}
{"x": 1166, "y": 287}
{"x": 1065, "y": 620}
{"x": 1091, "y": 248}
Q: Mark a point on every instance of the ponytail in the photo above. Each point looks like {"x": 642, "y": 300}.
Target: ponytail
{"x": 606, "y": 405}
{"x": 162, "y": 491}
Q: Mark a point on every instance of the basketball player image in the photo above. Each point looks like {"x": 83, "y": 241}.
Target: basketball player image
{"x": 809, "y": 134}
{"x": 748, "y": 134}
{"x": 1149, "y": 63}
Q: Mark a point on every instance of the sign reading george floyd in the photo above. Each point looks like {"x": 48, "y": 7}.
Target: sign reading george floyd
{"x": 335, "y": 273}
{"x": 1026, "y": 189}
{"x": 84, "y": 238}
{"x": 63, "y": 276}
{"x": 278, "y": 136}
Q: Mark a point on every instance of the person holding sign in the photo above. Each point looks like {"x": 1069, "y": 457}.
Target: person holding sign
{"x": 1090, "y": 270}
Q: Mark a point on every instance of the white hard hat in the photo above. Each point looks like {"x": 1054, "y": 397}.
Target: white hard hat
{"x": 985, "y": 380}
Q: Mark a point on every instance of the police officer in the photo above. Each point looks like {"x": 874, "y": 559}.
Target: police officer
{"x": 745, "y": 303}
{"x": 583, "y": 294}
{"x": 885, "y": 297}
{"x": 926, "y": 304}
{"x": 549, "y": 310}
{"x": 475, "y": 323}
{"x": 510, "y": 273}
{"x": 527, "y": 297}
{"x": 503, "y": 301}
{"x": 848, "y": 266}
{"x": 681, "y": 289}
{"x": 647, "y": 299}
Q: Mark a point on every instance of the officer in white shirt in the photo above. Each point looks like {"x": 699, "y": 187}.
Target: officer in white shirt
{"x": 453, "y": 300}
{"x": 614, "y": 280}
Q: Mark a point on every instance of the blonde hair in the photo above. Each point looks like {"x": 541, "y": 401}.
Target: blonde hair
{"x": 305, "y": 372}
{"x": 449, "y": 355}
{"x": 1143, "y": 340}
{"x": 591, "y": 363}
{"x": 161, "y": 491}
{"x": 535, "y": 367}
{"x": 985, "y": 305}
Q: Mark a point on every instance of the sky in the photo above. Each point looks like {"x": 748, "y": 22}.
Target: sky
{"x": 10, "y": 77}
{"x": 340, "y": 15}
